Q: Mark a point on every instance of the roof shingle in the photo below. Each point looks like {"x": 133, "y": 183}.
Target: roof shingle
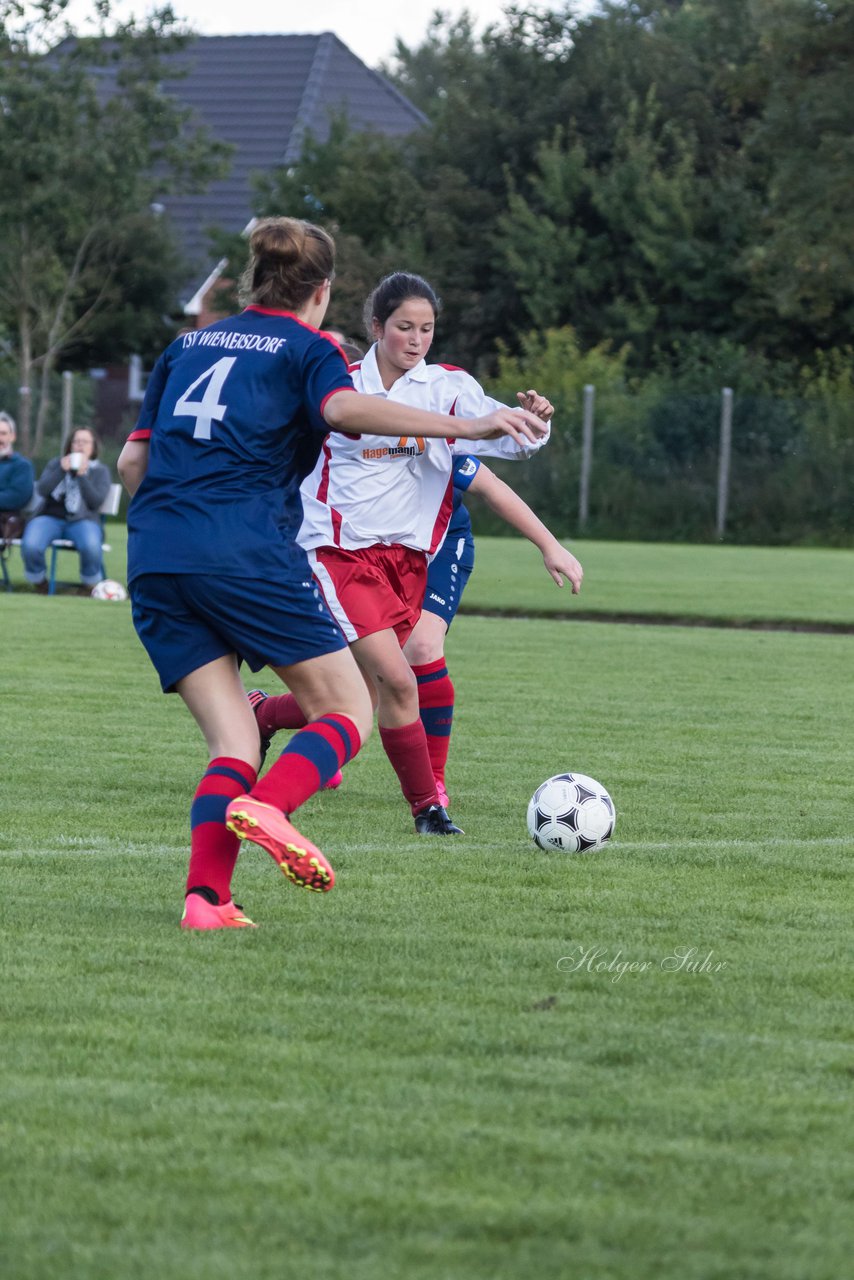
{"x": 262, "y": 94}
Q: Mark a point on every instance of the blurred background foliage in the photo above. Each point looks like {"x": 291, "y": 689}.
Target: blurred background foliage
{"x": 652, "y": 198}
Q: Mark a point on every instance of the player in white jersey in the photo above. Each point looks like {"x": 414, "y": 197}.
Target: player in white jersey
{"x": 372, "y": 490}
{"x": 377, "y": 509}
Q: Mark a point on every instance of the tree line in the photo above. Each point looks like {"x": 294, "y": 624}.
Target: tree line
{"x": 658, "y": 175}
{"x": 664, "y": 184}
{"x": 88, "y": 270}
{"x": 653, "y": 199}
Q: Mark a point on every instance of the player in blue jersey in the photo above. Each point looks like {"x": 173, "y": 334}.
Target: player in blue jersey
{"x": 233, "y": 419}
{"x": 447, "y": 576}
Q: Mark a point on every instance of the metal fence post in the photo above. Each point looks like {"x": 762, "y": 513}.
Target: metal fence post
{"x": 67, "y": 404}
{"x": 724, "y": 458}
{"x": 586, "y": 454}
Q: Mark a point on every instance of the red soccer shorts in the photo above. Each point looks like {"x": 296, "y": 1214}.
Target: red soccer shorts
{"x": 374, "y": 589}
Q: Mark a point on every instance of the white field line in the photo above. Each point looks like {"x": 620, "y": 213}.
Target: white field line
{"x": 767, "y": 842}
{"x": 103, "y": 845}
{"x": 97, "y": 845}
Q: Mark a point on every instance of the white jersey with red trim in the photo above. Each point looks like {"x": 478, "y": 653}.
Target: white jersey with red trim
{"x": 368, "y": 489}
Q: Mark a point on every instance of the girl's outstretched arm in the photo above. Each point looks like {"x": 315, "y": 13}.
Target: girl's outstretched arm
{"x": 559, "y": 562}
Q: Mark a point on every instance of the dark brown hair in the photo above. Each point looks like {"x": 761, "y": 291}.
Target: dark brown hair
{"x": 96, "y": 444}
{"x": 391, "y": 292}
{"x": 288, "y": 260}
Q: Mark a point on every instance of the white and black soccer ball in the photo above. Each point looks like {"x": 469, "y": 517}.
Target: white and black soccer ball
{"x": 107, "y": 589}
{"x": 571, "y": 813}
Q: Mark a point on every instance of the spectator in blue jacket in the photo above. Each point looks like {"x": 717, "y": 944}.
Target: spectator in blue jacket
{"x": 16, "y": 471}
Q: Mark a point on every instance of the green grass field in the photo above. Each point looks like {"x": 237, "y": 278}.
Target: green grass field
{"x": 725, "y": 585}
{"x": 432, "y": 1073}
{"x": 720, "y": 584}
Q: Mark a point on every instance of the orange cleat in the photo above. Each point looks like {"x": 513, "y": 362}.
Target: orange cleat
{"x": 201, "y": 914}
{"x": 299, "y": 859}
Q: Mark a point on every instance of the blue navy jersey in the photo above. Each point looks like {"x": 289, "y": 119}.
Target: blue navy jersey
{"x": 234, "y": 416}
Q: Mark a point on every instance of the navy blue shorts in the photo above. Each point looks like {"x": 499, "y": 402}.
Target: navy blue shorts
{"x": 447, "y": 575}
{"x": 188, "y": 620}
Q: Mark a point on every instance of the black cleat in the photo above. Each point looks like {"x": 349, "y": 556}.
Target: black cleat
{"x": 434, "y": 821}
{"x": 256, "y": 697}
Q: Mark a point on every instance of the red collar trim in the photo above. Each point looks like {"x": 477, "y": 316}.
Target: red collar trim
{"x": 289, "y": 315}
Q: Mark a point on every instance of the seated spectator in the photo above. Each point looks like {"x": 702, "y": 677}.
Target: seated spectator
{"x": 74, "y": 487}
{"x": 16, "y": 475}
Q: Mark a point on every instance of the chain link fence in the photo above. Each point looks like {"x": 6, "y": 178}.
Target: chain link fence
{"x": 656, "y": 469}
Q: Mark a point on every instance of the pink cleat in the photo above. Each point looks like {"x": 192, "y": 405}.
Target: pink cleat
{"x": 444, "y": 798}
{"x": 334, "y": 782}
{"x": 267, "y": 826}
{"x": 201, "y": 914}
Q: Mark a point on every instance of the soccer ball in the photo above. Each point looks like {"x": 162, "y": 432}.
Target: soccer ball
{"x": 109, "y": 590}
{"x": 571, "y": 813}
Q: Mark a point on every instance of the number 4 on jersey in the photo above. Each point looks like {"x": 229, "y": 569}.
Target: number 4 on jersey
{"x": 208, "y": 409}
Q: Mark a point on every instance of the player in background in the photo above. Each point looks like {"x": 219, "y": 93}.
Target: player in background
{"x": 447, "y": 575}
{"x": 375, "y": 513}
{"x": 233, "y": 419}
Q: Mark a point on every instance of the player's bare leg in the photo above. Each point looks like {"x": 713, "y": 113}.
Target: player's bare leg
{"x": 216, "y": 699}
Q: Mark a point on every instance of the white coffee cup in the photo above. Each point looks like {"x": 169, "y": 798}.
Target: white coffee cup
{"x": 75, "y": 461}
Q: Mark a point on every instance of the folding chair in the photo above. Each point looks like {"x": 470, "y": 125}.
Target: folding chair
{"x": 109, "y": 507}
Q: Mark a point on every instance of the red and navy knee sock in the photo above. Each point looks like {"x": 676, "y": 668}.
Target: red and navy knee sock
{"x": 213, "y": 848}
{"x": 311, "y": 758}
{"x": 406, "y": 748}
{"x": 278, "y": 711}
{"x": 436, "y": 708}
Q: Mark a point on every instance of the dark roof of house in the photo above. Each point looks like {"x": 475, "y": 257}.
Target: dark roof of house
{"x": 262, "y": 94}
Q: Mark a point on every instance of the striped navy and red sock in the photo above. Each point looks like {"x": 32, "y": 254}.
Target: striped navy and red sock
{"x": 278, "y": 711}
{"x": 406, "y": 748}
{"x": 311, "y": 758}
{"x": 213, "y": 848}
{"x": 436, "y": 707}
